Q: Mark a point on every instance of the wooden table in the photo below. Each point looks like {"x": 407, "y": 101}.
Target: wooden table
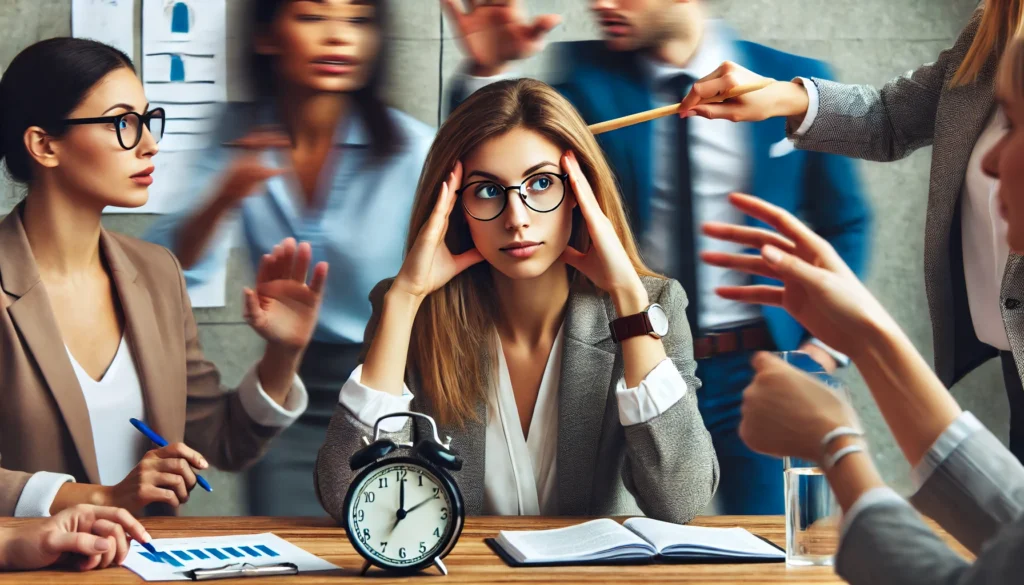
{"x": 471, "y": 561}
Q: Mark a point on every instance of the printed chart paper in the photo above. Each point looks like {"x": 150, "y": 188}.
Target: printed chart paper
{"x": 177, "y": 555}
{"x": 107, "y": 21}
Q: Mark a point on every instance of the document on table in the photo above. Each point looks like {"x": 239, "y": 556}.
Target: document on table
{"x": 177, "y": 555}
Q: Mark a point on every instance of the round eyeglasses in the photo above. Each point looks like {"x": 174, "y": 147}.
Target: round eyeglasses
{"x": 486, "y": 200}
{"x": 129, "y": 125}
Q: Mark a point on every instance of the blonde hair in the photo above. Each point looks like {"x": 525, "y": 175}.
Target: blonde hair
{"x": 456, "y": 322}
{"x": 1001, "y": 21}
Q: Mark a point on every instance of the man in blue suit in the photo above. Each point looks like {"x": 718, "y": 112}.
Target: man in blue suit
{"x": 676, "y": 173}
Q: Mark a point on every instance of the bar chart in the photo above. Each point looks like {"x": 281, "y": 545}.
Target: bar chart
{"x": 177, "y": 558}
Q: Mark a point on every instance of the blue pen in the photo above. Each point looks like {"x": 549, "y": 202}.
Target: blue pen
{"x": 161, "y": 442}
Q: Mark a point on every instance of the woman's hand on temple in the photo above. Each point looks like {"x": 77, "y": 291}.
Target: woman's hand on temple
{"x": 84, "y": 537}
{"x": 430, "y": 264}
{"x": 786, "y": 412}
{"x": 779, "y": 99}
{"x": 283, "y": 308}
{"x": 605, "y": 262}
{"x": 819, "y": 290}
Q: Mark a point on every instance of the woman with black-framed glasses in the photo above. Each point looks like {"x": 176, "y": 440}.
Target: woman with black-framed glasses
{"x": 96, "y": 327}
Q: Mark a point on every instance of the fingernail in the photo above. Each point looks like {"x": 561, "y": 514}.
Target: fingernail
{"x": 102, "y": 545}
{"x": 772, "y": 254}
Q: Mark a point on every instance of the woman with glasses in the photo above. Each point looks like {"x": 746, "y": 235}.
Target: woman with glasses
{"x": 96, "y": 327}
{"x": 525, "y": 322}
{"x": 318, "y": 157}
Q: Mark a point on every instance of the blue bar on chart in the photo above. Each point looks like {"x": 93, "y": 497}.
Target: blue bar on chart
{"x": 198, "y": 554}
{"x": 267, "y": 549}
{"x": 161, "y": 557}
{"x": 217, "y": 554}
{"x": 250, "y": 552}
{"x": 233, "y": 552}
{"x": 182, "y": 555}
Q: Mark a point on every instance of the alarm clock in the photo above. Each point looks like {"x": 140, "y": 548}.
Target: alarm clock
{"x": 404, "y": 513}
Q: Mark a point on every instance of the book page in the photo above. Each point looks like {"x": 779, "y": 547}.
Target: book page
{"x": 670, "y": 538}
{"x": 589, "y": 540}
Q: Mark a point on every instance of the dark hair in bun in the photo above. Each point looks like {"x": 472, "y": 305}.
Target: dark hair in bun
{"x": 42, "y": 86}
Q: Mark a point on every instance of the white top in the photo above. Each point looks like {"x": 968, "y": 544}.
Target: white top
{"x": 986, "y": 250}
{"x": 520, "y": 472}
{"x": 720, "y": 163}
{"x": 119, "y": 447}
{"x": 117, "y": 396}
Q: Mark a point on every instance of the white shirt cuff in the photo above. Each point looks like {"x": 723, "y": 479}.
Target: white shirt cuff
{"x": 956, "y": 433}
{"x": 841, "y": 358}
{"x": 471, "y": 83}
{"x": 263, "y": 409}
{"x": 658, "y": 392}
{"x": 37, "y": 496}
{"x": 872, "y": 497}
{"x": 368, "y": 405}
{"x": 812, "y": 106}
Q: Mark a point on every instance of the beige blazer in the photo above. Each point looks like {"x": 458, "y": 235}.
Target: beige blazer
{"x": 44, "y": 424}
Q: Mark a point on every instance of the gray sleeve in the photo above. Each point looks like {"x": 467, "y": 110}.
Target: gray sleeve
{"x": 891, "y": 544}
{"x": 975, "y": 491}
{"x": 671, "y": 467}
{"x": 883, "y": 124}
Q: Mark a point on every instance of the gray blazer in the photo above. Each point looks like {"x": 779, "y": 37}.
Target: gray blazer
{"x": 910, "y": 112}
{"x": 665, "y": 468}
{"x": 976, "y": 494}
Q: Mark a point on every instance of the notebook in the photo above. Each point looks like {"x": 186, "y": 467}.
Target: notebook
{"x": 605, "y": 541}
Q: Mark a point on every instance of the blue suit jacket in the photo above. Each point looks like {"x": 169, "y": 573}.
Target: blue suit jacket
{"x": 822, "y": 189}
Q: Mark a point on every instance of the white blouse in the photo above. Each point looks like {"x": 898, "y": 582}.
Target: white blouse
{"x": 520, "y": 472}
{"x": 985, "y": 248}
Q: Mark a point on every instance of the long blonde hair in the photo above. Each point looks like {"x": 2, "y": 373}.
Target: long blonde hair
{"x": 455, "y": 324}
{"x": 1001, "y": 21}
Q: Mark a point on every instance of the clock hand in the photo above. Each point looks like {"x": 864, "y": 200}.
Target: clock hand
{"x": 400, "y": 514}
{"x": 419, "y": 504}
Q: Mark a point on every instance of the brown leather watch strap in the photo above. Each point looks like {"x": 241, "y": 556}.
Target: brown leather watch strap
{"x": 631, "y": 326}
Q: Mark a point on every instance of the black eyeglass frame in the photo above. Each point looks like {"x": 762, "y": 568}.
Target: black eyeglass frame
{"x": 565, "y": 181}
{"x": 144, "y": 120}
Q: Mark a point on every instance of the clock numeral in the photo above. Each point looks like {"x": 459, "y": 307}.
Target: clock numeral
{"x": 369, "y": 497}
{"x": 401, "y": 552}
{"x": 400, "y": 474}
{"x": 444, "y": 513}
{"x": 421, "y": 480}
{"x": 359, "y": 516}
{"x": 437, "y": 532}
{"x": 436, "y": 494}
{"x": 423, "y": 548}
{"x": 366, "y": 534}
{"x": 382, "y": 482}
{"x": 383, "y": 547}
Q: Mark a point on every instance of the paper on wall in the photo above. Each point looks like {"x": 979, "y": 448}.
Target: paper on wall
{"x": 107, "y": 21}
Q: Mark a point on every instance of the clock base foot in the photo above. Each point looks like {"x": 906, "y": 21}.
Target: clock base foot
{"x": 366, "y": 567}
{"x": 440, "y": 567}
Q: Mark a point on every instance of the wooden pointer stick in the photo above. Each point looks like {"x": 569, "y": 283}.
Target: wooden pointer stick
{"x": 661, "y": 112}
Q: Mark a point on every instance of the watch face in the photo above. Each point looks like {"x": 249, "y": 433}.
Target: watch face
{"x": 659, "y": 319}
{"x": 402, "y": 515}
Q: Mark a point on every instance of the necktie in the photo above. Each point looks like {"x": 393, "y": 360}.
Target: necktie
{"x": 686, "y": 236}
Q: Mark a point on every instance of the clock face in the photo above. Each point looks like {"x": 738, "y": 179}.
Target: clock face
{"x": 659, "y": 320}
{"x": 401, "y": 514}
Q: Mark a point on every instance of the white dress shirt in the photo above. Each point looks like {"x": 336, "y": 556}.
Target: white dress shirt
{"x": 115, "y": 398}
{"x": 520, "y": 472}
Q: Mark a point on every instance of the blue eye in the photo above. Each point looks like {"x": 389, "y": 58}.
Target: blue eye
{"x": 123, "y": 124}
{"x": 487, "y": 191}
{"x": 540, "y": 184}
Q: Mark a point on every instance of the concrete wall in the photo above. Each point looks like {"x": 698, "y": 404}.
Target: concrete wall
{"x": 868, "y": 41}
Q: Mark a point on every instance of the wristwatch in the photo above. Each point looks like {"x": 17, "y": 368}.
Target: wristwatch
{"x": 651, "y": 321}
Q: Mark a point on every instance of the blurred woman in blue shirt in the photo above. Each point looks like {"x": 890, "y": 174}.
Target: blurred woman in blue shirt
{"x": 320, "y": 158}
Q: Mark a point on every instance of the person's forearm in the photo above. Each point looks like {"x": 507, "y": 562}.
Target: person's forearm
{"x": 195, "y": 233}
{"x": 71, "y": 494}
{"x": 7, "y": 536}
{"x": 384, "y": 368}
{"x": 853, "y": 475}
{"x": 915, "y": 404}
{"x": 796, "y": 104}
{"x": 277, "y": 371}
{"x": 642, "y": 353}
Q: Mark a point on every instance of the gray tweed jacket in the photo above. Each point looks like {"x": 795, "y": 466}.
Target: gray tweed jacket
{"x": 665, "y": 468}
{"x": 910, "y": 112}
{"x": 976, "y": 494}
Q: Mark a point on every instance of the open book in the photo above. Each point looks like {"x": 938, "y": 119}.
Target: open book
{"x": 636, "y": 540}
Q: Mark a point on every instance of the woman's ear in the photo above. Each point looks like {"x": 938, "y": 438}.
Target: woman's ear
{"x": 41, "y": 147}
